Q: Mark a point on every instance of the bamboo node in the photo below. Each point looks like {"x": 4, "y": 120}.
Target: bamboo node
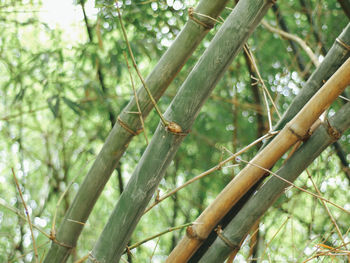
{"x": 175, "y": 128}
{"x": 301, "y": 137}
{"x": 203, "y": 24}
{"x": 192, "y": 234}
{"x": 127, "y": 128}
{"x": 228, "y": 242}
{"x": 93, "y": 259}
{"x": 334, "y": 133}
{"x": 342, "y": 43}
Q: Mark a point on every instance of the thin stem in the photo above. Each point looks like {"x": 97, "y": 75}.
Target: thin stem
{"x": 255, "y": 67}
{"x": 136, "y": 99}
{"x": 165, "y": 122}
{"x": 295, "y": 38}
{"x": 28, "y": 217}
{"x": 326, "y": 207}
{"x": 171, "y": 229}
{"x": 292, "y": 184}
{"x": 211, "y": 170}
{"x": 273, "y": 237}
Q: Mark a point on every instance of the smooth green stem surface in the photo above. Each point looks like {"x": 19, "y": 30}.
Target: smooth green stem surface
{"x": 118, "y": 139}
{"x": 183, "y": 110}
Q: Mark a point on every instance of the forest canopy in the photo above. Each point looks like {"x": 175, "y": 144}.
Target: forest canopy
{"x": 177, "y": 131}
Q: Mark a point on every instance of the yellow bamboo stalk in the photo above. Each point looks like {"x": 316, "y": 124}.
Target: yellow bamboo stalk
{"x": 294, "y": 131}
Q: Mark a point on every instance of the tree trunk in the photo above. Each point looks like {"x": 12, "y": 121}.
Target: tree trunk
{"x": 274, "y": 187}
{"x": 114, "y": 147}
{"x": 182, "y": 111}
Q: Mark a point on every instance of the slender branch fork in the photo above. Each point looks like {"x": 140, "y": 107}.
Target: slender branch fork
{"x": 219, "y": 166}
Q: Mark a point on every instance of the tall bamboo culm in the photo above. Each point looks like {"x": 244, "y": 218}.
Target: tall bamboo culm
{"x": 294, "y": 131}
{"x": 182, "y": 111}
{"x": 118, "y": 139}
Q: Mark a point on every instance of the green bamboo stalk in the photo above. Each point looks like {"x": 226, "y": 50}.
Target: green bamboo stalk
{"x": 183, "y": 111}
{"x": 260, "y": 202}
{"x": 334, "y": 59}
{"x": 118, "y": 139}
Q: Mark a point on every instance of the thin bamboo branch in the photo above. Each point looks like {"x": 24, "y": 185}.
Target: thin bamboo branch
{"x": 261, "y": 81}
{"x": 165, "y": 122}
{"x": 17, "y": 212}
{"x": 297, "y": 187}
{"x": 273, "y": 237}
{"x": 211, "y": 170}
{"x": 327, "y": 209}
{"x": 171, "y": 229}
{"x": 28, "y": 216}
{"x": 295, "y": 38}
{"x": 136, "y": 99}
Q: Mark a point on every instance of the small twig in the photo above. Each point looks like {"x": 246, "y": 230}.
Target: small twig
{"x": 295, "y": 38}
{"x": 30, "y": 251}
{"x": 294, "y": 185}
{"x": 344, "y": 98}
{"x": 171, "y": 229}
{"x": 17, "y": 212}
{"x": 261, "y": 81}
{"x": 6, "y": 118}
{"x": 53, "y": 231}
{"x": 77, "y": 222}
{"x": 273, "y": 237}
{"x": 165, "y": 122}
{"x": 209, "y": 17}
{"x": 326, "y": 208}
{"x": 219, "y": 166}
{"x": 28, "y": 217}
{"x": 328, "y": 253}
{"x": 154, "y": 250}
{"x": 135, "y": 96}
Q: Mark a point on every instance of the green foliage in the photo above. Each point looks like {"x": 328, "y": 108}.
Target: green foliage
{"x": 54, "y": 118}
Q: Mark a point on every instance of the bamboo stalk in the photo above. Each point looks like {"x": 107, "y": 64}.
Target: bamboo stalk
{"x": 258, "y": 204}
{"x": 117, "y": 142}
{"x": 183, "y": 110}
{"x": 295, "y": 130}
